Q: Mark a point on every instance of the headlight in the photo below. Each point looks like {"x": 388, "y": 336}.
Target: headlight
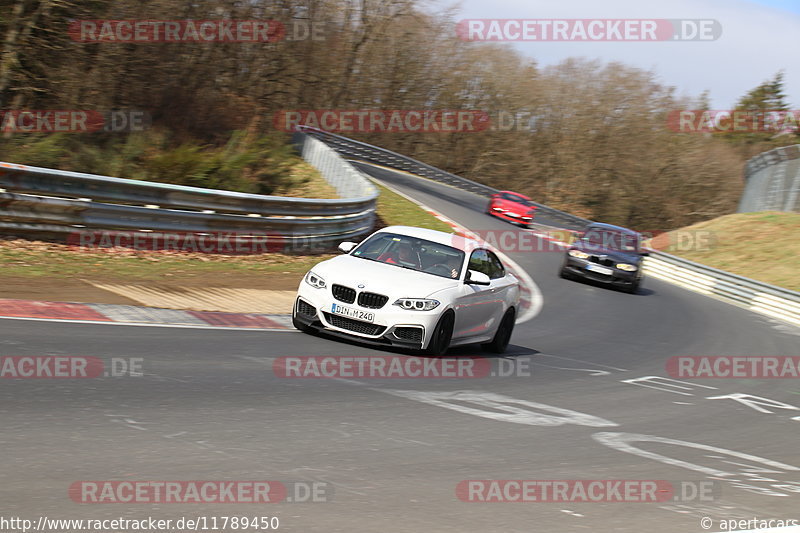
{"x": 578, "y": 254}
{"x": 417, "y": 304}
{"x": 626, "y": 267}
{"x": 315, "y": 281}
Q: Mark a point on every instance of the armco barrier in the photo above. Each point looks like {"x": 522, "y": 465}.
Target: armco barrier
{"x": 372, "y": 154}
{"x": 46, "y": 201}
{"x": 773, "y": 181}
{"x": 760, "y": 297}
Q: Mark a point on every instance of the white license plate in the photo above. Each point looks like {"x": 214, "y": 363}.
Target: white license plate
{"x": 349, "y": 312}
{"x": 600, "y": 270}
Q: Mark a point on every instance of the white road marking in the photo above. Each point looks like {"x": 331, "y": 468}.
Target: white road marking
{"x": 581, "y": 361}
{"x": 755, "y": 402}
{"x": 592, "y": 372}
{"x": 665, "y": 384}
{"x": 622, "y": 442}
{"x": 502, "y": 408}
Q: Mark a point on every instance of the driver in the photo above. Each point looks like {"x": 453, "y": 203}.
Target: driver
{"x": 406, "y": 255}
{"x": 402, "y": 254}
{"x": 451, "y": 264}
{"x": 454, "y": 265}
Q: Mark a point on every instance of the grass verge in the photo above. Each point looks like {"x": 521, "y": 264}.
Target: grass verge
{"x": 763, "y": 246}
{"x": 393, "y": 210}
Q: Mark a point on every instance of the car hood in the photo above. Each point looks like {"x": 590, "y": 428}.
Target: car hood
{"x": 616, "y": 255}
{"x": 519, "y": 208}
{"x": 391, "y": 280}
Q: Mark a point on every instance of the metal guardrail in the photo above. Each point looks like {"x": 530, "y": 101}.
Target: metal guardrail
{"x": 772, "y": 181}
{"x": 39, "y": 200}
{"x": 763, "y": 298}
{"x": 372, "y": 154}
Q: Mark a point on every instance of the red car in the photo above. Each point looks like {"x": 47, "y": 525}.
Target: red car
{"x": 512, "y": 206}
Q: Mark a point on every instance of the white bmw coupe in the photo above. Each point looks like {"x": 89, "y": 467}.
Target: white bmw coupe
{"x": 412, "y": 288}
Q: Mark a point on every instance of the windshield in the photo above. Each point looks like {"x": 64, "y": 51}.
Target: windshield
{"x": 518, "y": 199}
{"x": 412, "y": 253}
{"x": 613, "y": 240}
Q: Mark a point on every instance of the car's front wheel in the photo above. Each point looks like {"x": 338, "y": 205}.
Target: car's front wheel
{"x": 440, "y": 340}
{"x": 503, "y": 334}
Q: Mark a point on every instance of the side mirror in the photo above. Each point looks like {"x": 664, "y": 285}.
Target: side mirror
{"x": 477, "y": 278}
{"x": 347, "y": 246}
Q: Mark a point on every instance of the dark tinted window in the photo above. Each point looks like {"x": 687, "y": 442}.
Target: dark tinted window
{"x": 479, "y": 262}
{"x": 615, "y": 240}
{"x": 498, "y": 271}
{"x": 517, "y": 199}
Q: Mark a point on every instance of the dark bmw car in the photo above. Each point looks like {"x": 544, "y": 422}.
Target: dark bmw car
{"x": 606, "y": 254}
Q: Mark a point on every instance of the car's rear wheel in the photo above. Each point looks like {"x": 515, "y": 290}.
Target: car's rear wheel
{"x": 503, "y": 334}
{"x": 440, "y": 340}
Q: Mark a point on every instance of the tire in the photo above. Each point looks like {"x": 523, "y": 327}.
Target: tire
{"x": 503, "y": 334}
{"x": 440, "y": 340}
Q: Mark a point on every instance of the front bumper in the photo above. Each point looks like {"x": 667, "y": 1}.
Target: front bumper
{"x": 512, "y": 217}
{"x": 392, "y": 326}
{"x": 577, "y": 267}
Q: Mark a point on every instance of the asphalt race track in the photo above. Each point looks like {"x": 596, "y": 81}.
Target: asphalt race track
{"x": 209, "y": 407}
